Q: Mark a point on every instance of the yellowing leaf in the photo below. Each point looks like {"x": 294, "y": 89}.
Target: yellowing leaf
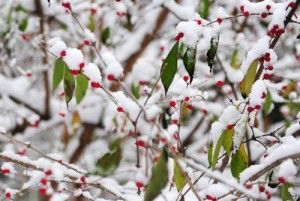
{"x": 247, "y": 82}
{"x": 227, "y": 140}
{"x": 234, "y": 59}
{"x": 179, "y": 177}
{"x": 237, "y": 164}
{"x": 66, "y": 136}
{"x": 76, "y": 120}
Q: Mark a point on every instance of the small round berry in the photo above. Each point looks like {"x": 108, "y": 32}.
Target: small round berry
{"x": 179, "y": 36}
{"x": 140, "y": 143}
{"x": 257, "y": 107}
{"x": 5, "y": 171}
{"x": 189, "y": 107}
{"x": 281, "y": 180}
{"x": 74, "y": 72}
{"x": 63, "y": 53}
{"x": 21, "y": 152}
{"x": 263, "y": 95}
{"x": 8, "y": 195}
{"x": 249, "y": 185}
{"x": 268, "y": 7}
{"x": 172, "y": 104}
{"x": 87, "y": 42}
{"x": 264, "y": 15}
{"x": 186, "y": 99}
{"x": 292, "y": 4}
{"x": 93, "y": 11}
{"x": 284, "y": 88}
{"x": 44, "y": 181}
{"x": 199, "y": 22}
{"x": 95, "y": 85}
{"x": 81, "y": 66}
{"x": 66, "y": 5}
{"x": 262, "y": 188}
{"x": 269, "y": 196}
{"x": 266, "y": 76}
{"x": 267, "y": 59}
{"x": 186, "y": 78}
{"x": 209, "y": 197}
{"x": 83, "y": 179}
{"x": 220, "y": 83}
{"x": 242, "y": 8}
{"x": 42, "y": 191}
{"x": 139, "y": 184}
{"x": 111, "y": 77}
{"x": 230, "y": 126}
{"x": 120, "y": 109}
{"x": 250, "y": 109}
{"x": 48, "y": 172}
{"x": 246, "y": 13}
{"x": 175, "y": 121}
{"x": 219, "y": 20}
{"x": 270, "y": 67}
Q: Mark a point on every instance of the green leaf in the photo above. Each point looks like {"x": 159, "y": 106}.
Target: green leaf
{"x": 69, "y": 85}
{"x": 159, "y": 177}
{"x": 238, "y": 164}
{"x": 204, "y": 8}
{"x": 179, "y": 177}
{"x": 212, "y": 51}
{"x": 284, "y": 193}
{"x": 234, "y": 59}
{"x": 217, "y": 151}
{"x": 105, "y": 35}
{"x": 135, "y": 89}
{"x": 227, "y": 140}
{"x": 169, "y": 68}
{"x": 20, "y": 8}
{"x": 111, "y": 160}
{"x": 267, "y": 106}
{"x": 247, "y": 82}
{"x": 182, "y": 49}
{"x": 58, "y": 73}
{"x": 82, "y": 84}
{"x": 92, "y": 23}
{"x": 189, "y": 61}
{"x": 23, "y": 24}
{"x": 210, "y": 154}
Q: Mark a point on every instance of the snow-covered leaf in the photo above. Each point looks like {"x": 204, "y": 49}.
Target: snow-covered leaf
{"x": 105, "y": 35}
{"x": 189, "y": 61}
{"x": 234, "y": 59}
{"x": 212, "y": 51}
{"x": 69, "y": 85}
{"x": 267, "y": 106}
{"x": 238, "y": 164}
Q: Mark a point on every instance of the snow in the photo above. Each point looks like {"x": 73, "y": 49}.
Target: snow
{"x": 191, "y": 31}
{"x": 239, "y": 132}
{"x": 216, "y": 131}
{"x": 113, "y": 67}
{"x": 230, "y": 115}
{"x": 57, "y": 48}
{"x": 292, "y": 129}
{"x": 93, "y": 73}
{"x": 73, "y": 58}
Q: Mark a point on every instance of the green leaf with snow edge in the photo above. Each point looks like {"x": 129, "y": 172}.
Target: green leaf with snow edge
{"x": 69, "y": 85}
{"x": 189, "y": 61}
{"x": 82, "y": 84}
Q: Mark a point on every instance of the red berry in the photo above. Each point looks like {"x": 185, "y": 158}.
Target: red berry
{"x": 275, "y": 26}
{"x": 249, "y": 185}
{"x": 28, "y": 74}
{"x": 74, "y": 72}
{"x": 140, "y": 143}
{"x": 175, "y": 121}
{"x": 62, "y": 114}
{"x": 186, "y": 99}
{"x": 95, "y": 85}
{"x": 267, "y": 59}
{"x": 93, "y": 11}
{"x": 83, "y": 179}
{"x": 63, "y": 53}
{"x": 48, "y": 172}
{"x": 264, "y": 15}
{"x": 186, "y": 78}
{"x": 250, "y": 109}
{"x": 209, "y": 197}
{"x": 120, "y": 109}
{"x": 111, "y": 77}
{"x": 268, "y": 7}
{"x": 246, "y": 13}
{"x": 263, "y": 95}
{"x": 5, "y": 171}
{"x": 205, "y": 112}
{"x": 266, "y": 76}
{"x": 242, "y": 8}
{"x": 189, "y": 107}
{"x": 7, "y": 195}
{"x": 143, "y": 82}
{"x": 267, "y": 54}
{"x": 281, "y": 180}
{"x": 42, "y": 191}
{"x": 44, "y": 181}
{"x": 261, "y": 188}
{"x": 87, "y": 42}
{"x": 269, "y": 196}
{"x": 220, "y": 83}
{"x": 219, "y": 20}
{"x": 270, "y": 67}
{"x": 67, "y": 5}
{"x": 292, "y": 4}
{"x": 230, "y": 126}
{"x": 284, "y": 88}
{"x": 139, "y": 184}
{"x": 199, "y": 22}
{"x": 179, "y": 36}
{"x": 172, "y": 103}
{"x": 21, "y": 152}
{"x": 257, "y": 107}
{"x": 81, "y": 66}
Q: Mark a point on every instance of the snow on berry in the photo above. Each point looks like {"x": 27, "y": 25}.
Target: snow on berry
{"x": 113, "y": 67}
{"x": 7, "y": 169}
{"x": 58, "y": 49}
{"x": 287, "y": 171}
{"x": 190, "y": 32}
{"x": 93, "y": 73}
{"x": 73, "y": 59}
